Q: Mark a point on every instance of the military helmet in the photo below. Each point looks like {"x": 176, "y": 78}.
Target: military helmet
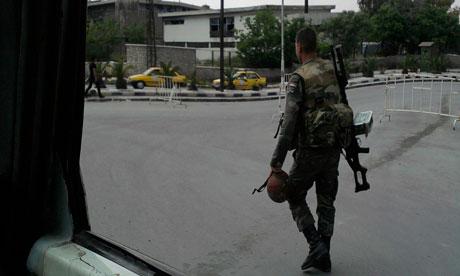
{"x": 276, "y": 185}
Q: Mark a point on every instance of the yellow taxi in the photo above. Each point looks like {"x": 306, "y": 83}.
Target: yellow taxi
{"x": 244, "y": 80}
{"x": 154, "y": 77}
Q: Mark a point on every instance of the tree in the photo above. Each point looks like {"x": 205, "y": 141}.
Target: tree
{"x": 259, "y": 46}
{"x": 349, "y": 29}
{"x": 134, "y": 33}
{"x": 391, "y": 28}
{"x": 370, "y": 6}
{"x": 443, "y": 26}
{"x": 439, "y": 3}
{"x": 102, "y": 37}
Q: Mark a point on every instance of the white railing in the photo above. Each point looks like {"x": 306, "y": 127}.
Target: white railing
{"x": 168, "y": 89}
{"x": 422, "y": 93}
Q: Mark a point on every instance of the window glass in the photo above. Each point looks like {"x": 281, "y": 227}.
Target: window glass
{"x": 214, "y": 23}
{"x": 229, "y": 24}
{"x": 174, "y": 22}
{"x": 252, "y": 76}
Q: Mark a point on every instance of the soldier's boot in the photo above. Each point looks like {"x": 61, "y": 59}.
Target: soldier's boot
{"x": 324, "y": 263}
{"x": 317, "y": 247}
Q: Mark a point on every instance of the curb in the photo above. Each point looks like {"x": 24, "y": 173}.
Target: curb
{"x": 184, "y": 99}
{"x": 132, "y": 95}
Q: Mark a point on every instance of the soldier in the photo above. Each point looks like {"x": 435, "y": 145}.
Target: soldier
{"x": 310, "y": 123}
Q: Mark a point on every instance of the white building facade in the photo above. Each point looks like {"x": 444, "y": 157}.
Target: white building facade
{"x": 200, "y": 29}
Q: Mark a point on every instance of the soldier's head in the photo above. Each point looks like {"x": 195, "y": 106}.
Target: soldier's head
{"x": 305, "y": 43}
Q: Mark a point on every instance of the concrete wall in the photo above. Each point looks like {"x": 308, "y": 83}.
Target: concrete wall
{"x": 184, "y": 58}
{"x": 207, "y": 53}
{"x": 454, "y": 61}
{"x": 194, "y": 29}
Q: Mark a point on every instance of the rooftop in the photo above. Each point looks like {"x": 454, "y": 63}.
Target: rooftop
{"x": 298, "y": 8}
{"x": 426, "y": 44}
{"x": 161, "y": 2}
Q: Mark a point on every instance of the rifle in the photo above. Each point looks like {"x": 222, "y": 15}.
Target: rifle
{"x": 361, "y": 125}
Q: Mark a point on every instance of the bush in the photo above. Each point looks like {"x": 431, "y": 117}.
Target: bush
{"x": 324, "y": 49}
{"x": 229, "y": 72}
{"x": 192, "y": 85}
{"x": 119, "y": 70}
{"x": 168, "y": 69}
{"x": 368, "y": 67}
{"x": 438, "y": 64}
{"x": 410, "y": 64}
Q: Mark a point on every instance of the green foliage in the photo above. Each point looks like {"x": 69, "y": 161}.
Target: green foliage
{"x": 435, "y": 64}
{"x": 193, "y": 82}
{"x": 229, "y": 73}
{"x": 370, "y": 6}
{"x": 436, "y": 24}
{"x": 134, "y": 33}
{"x": 368, "y": 67}
{"x": 259, "y": 46}
{"x": 348, "y": 29}
{"x": 119, "y": 71}
{"x": 168, "y": 69}
{"x": 101, "y": 39}
{"x": 410, "y": 63}
{"x": 438, "y": 64}
{"x": 390, "y": 27}
{"x": 104, "y": 37}
{"x": 324, "y": 49}
{"x": 441, "y": 3}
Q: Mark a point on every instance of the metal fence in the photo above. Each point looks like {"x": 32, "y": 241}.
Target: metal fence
{"x": 422, "y": 93}
{"x": 169, "y": 89}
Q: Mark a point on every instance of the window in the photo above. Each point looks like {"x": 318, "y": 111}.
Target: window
{"x": 177, "y": 44}
{"x": 198, "y": 44}
{"x": 214, "y": 23}
{"x": 252, "y": 76}
{"x": 174, "y": 21}
{"x": 229, "y": 26}
{"x": 226, "y": 44}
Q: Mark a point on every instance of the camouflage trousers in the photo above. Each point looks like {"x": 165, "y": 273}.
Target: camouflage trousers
{"x": 319, "y": 166}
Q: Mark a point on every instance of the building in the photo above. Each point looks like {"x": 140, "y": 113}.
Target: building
{"x": 135, "y": 11}
{"x": 200, "y": 28}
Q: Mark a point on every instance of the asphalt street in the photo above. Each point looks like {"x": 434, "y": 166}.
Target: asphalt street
{"x": 175, "y": 183}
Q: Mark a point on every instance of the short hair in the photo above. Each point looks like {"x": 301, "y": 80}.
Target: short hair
{"x": 307, "y": 39}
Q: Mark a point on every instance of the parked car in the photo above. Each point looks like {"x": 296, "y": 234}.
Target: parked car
{"x": 154, "y": 77}
{"x": 244, "y": 80}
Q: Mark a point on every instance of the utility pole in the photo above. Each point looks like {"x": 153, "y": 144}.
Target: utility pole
{"x": 151, "y": 35}
{"x": 282, "y": 83}
{"x": 221, "y": 29}
{"x": 305, "y": 12}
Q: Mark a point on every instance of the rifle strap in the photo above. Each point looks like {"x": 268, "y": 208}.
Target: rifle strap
{"x": 261, "y": 188}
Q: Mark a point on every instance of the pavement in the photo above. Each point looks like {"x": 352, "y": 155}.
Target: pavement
{"x": 175, "y": 184}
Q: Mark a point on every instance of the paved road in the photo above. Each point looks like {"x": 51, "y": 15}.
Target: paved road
{"x": 175, "y": 183}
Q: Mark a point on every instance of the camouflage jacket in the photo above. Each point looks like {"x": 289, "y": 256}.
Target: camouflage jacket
{"x": 313, "y": 80}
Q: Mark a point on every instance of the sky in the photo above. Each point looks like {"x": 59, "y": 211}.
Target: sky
{"x": 340, "y": 4}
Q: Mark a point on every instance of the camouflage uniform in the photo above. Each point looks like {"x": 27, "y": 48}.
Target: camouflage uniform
{"x": 317, "y": 154}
